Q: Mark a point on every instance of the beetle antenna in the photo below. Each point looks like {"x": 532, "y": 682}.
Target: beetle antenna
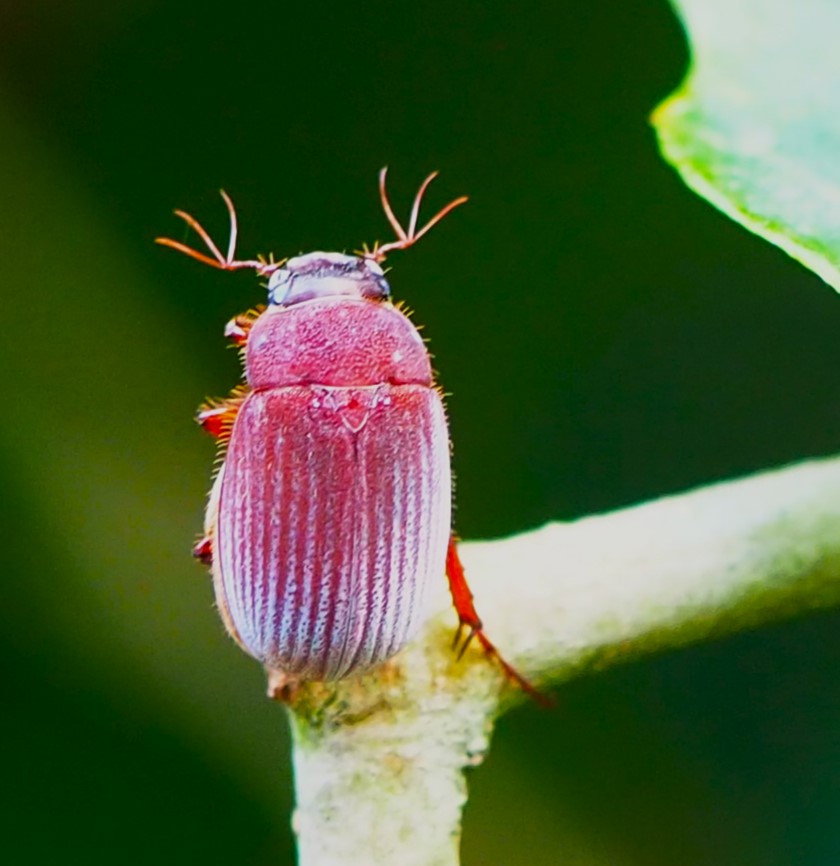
{"x": 223, "y": 263}
{"x": 408, "y": 238}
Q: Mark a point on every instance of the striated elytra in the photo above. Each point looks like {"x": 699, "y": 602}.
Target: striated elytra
{"x": 333, "y": 512}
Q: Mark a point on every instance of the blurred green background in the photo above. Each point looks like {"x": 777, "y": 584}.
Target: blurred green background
{"x": 607, "y": 337}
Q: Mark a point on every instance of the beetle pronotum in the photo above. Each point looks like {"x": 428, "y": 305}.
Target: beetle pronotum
{"x": 330, "y": 514}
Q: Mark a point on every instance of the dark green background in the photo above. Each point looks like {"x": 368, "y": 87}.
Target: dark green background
{"x": 607, "y": 337}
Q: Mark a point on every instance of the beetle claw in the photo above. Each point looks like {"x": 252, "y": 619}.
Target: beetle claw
{"x": 473, "y": 632}
{"x": 468, "y": 617}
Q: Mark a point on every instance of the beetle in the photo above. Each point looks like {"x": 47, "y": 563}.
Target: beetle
{"x": 330, "y": 514}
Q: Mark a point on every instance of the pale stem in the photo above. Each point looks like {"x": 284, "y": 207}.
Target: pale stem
{"x": 379, "y": 760}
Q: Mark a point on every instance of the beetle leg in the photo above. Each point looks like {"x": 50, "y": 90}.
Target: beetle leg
{"x": 203, "y": 550}
{"x": 462, "y": 599}
{"x": 469, "y": 620}
{"x": 217, "y": 416}
{"x": 239, "y": 327}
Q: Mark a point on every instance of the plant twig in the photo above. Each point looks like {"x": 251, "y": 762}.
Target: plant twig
{"x": 379, "y": 759}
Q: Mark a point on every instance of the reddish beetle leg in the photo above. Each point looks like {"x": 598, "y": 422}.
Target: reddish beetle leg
{"x": 216, "y": 417}
{"x": 239, "y": 327}
{"x": 469, "y": 620}
{"x": 203, "y": 550}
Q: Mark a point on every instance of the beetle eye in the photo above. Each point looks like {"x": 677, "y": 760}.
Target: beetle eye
{"x": 279, "y": 284}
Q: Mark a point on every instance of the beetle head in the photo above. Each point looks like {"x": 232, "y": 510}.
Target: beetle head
{"x": 326, "y": 275}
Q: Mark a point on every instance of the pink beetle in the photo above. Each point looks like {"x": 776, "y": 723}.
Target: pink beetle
{"x": 331, "y": 513}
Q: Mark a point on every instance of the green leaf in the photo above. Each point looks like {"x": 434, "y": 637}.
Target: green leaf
{"x": 755, "y": 126}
